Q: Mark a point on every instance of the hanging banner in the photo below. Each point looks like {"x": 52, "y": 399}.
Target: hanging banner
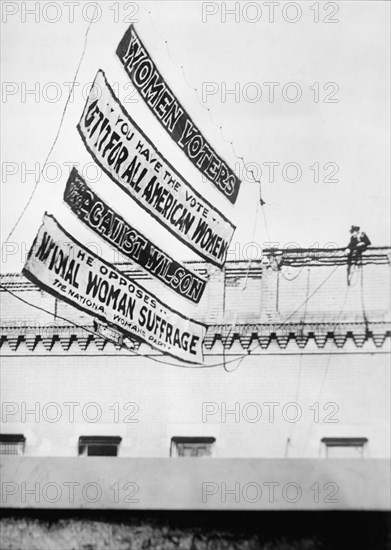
{"x": 161, "y": 100}
{"x": 109, "y": 225}
{"x": 66, "y": 269}
{"x": 127, "y": 156}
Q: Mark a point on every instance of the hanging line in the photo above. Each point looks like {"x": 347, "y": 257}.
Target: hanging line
{"x": 58, "y": 130}
{"x": 297, "y": 393}
{"x": 327, "y": 364}
{"x": 101, "y": 336}
{"x": 223, "y": 319}
{"x": 240, "y": 358}
{"x": 301, "y": 305}
{"x": 281, "y": 325}
{"x": 260, "y": 200}
{"x": 235, "y": 153}
{"x": 363, "y": 303}
{"x": 225, "y": 339}
{"x": 208, "y": 109}
{"x": 252, "y": 240}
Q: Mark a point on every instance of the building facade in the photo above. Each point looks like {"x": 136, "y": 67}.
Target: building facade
{"x": 296, "y": 366}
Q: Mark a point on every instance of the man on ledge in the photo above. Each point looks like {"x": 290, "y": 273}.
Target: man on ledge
{"x": 359, "y": 242}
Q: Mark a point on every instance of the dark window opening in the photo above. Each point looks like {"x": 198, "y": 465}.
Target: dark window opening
{"x": 344, "y": 447}
{"x": 12, "y": 444}
{"x": 192, "y": 446}
{"x": 99, "y": 445}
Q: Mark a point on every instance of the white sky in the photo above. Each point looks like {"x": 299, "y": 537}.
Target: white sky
{"x": 352, "y": 133}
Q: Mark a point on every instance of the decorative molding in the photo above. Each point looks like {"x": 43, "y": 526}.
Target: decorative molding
{"x": 379, "y": 339}
{"x": 48, "y": 341}
{"x": 14, "y": 342}
{"x": 79, "y": 340}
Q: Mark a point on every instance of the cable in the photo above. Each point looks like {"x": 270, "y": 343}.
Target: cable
{"x": 94, "y": 333}
{"x": 229, "y": 332}
{"x": 239, "y": 358}
{"x": 260, "y": 200}
{"x": 57, "y": 134}
{"x": 301, "y": 305}
{"x": 327, "y": 365}
{"x": 216, "y": 124}
{"x": 293, "y": 278}
{"x": 237, "y": 366}
{"x": 289, "y": 439}
{"x": 363, "y": 303}
{"x": 252, "y": 240}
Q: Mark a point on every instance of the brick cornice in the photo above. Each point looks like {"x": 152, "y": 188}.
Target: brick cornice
{"x": 81, "y": 339}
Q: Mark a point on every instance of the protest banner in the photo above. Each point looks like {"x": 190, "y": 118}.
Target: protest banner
{"x": 165, "y": 106}
{"x": 62, "y": 266}
{"x": 127, "y": 156}
{"x": 109, "y": 225}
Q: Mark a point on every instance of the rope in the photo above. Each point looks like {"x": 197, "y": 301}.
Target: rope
{"x": 57, "y": 134}
{"x": 260, "y": 201}
{"x": 291, "y": 278}
{"x": 208, "y": 109}
{"x": 289, "y": 439}
{"x": 198, "y": 366}
{"x": 252, "y": 240}
{"x": 327, "y": 366}
{"x": 301, "y": 305}
{"x": 363, "y": 303}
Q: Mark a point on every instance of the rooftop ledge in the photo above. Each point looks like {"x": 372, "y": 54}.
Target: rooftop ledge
{"x": 274, "y": 258}
{"x": 271, "y": 327}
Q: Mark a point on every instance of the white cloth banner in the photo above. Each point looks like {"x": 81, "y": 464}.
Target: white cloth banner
{"x": 66, "y": 269}
{"x": 129, "y": 158}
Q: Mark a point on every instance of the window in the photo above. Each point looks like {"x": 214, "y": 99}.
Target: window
{"x": 12, "y": 444}
{"x": 192, "y": 446}
{"x": 344, "y": 447}
{"x": 99, "y": 445}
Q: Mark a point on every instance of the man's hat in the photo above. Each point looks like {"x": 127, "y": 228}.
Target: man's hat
{"x": 354, "y": 228}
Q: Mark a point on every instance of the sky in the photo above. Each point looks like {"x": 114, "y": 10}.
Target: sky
{"x": 325, "y": 131}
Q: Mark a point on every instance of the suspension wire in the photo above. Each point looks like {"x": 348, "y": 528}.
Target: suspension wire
{"x": 326, "y": 370}
{"x": 216, "y": 124}
{"x": 297, "y": 392}
{"x": 226, "y": 339}
{"x": 198, "y": 366}
{"x": 57, "y": 133}
{"x": 301, "y": 305}
{"x": 364, "y": 313}
{"x": 260, "y": 202}
{"x": 252, "y": 240}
